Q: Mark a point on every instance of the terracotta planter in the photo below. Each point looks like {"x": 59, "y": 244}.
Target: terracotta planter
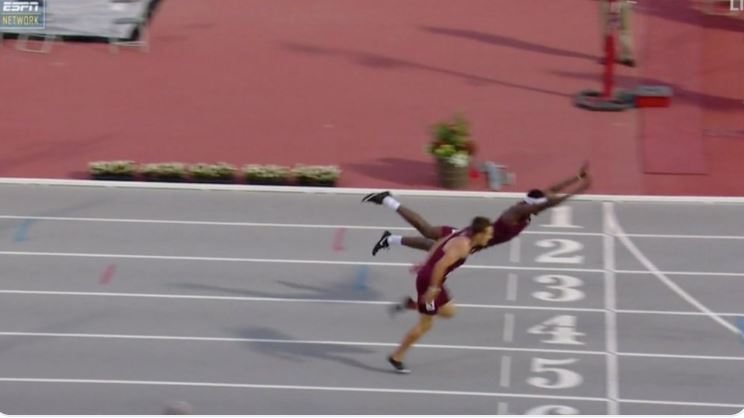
{"x": 452, "y": 176}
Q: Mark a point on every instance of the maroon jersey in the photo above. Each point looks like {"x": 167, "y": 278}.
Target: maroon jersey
{"x": 428, "y": 268}
{"x": 424, "y": 276}
{"x": 503, "y": 231}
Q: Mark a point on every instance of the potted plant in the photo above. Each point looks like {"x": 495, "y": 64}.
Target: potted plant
{"x": 212, "y": 173}
{"x": 316, "y": 175}
{"x": 452, "y": 147}
{"x": 112, "y": 170}
{"x": 166, "y": 172}
{"x": 266, "y": 174}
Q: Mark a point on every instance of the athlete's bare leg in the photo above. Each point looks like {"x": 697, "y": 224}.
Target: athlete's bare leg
{"x": 418, "y": 222}
{"x": 419, "y": 330}
{"x": 419, "y": 243}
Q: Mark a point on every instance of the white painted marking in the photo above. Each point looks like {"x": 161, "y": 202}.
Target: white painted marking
{"x": 560, "y": 217}
{"x": 340, "y": 301}
{"x": 250, "y": 224}
{"x": 553, "y": 410}
{"x": 559, "y": 254}
{"x": 565, "y": 378}
{"x": 618, "y": 231}
{"x": 296, "y": 387}
{"x": 265, "y": 299}
{"x": 330, "y": 226}
{"x": 281, "y": 341}
{"x": 204, "y": 223}
{"x": 505, "y": 380}
{"x": 271, "y": 260}
{"x": 514, "y": 250}
{"x": 511, "y": 287}
{"x": 681, "y": 356}
{"x": 353, "y": 191}
{"x": 566, "y": 285}
{"x": 561, "y": 328}
{"x": 352, "y": 343}
{"x": 508, "y": 332}
{"x": 705, "y": 274}
{"x": 688, "y": 313}
{"x": 613, "y": 376}
{"x": 650, "y": 401}
{"x": 672, "y": 236}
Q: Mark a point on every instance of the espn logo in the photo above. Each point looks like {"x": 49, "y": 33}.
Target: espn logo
{"x": 21, "y": 6}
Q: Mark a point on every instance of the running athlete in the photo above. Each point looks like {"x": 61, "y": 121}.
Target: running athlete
{"x": 434, "y": 299}
{"x": 510, "y": 223}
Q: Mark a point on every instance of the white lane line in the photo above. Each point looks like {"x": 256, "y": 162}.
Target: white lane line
{"x": 333, "y": 226}
{"x": 688, "y": 313}
{"x": 613, "y": 380}
{"x": 297, "y": 387}
{"x": 650, "y": 401}
{"x": 266, "y": 299}
{"x": 348, "y": 263}
{"x": 286, "y": 341}
{"x": 505, "y": 380}
{"x": 508, "y": 333}
{"x": 252, "y": 224}
{"x": 682, "y": 356}
{"x": 339, "y": 301}
{"x": 351, "y": 344}
{"x": 514, "y": 250}
{"x": 675, "y": 236}
{"x": 273, "y": 260}
{"x": 618, "y": 231}
{"x": 511, "y": 287}
{"x": 685, "y": 273}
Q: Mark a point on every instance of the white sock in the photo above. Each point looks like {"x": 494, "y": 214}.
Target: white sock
{"x": 395, "y": 240}
{"x": 391, "y": 203}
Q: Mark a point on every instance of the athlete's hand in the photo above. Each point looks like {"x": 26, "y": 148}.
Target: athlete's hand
{"x": 584, "y": 170}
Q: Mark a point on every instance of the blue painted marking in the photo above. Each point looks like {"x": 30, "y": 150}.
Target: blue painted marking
{"x": 740, "y": 325}
{"x": 361, "y": 278}
{"x": 22, "y": 231}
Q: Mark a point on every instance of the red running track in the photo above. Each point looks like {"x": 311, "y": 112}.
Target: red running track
{"x": 358, "y": 82}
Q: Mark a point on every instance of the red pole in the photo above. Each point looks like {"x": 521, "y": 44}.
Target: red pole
{"x": 614, "y": 20}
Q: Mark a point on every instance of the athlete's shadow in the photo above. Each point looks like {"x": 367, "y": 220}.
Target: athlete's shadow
{"x": 290, "y": 350}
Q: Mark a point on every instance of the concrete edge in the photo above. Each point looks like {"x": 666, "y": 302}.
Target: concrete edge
{"x": 352, "y": 191}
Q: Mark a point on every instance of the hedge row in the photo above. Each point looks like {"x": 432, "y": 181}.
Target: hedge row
{"x": 309, "y": 175}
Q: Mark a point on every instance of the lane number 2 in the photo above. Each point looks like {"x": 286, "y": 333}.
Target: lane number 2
{"x": 562, "y": 248}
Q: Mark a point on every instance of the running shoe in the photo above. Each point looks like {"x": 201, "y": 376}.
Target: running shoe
{"x": 382, "y": 243}
{"x": 398, "y": 366}
{"x": 376, "y": 197}
{"x": 405, "y": 304}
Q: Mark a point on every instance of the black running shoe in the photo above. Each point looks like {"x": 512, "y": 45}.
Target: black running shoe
{"x": 382, "y": 243}
{"x": 402, "y": 306}
{"x": 376, "y": 197}
{"x": 398, "y": 365}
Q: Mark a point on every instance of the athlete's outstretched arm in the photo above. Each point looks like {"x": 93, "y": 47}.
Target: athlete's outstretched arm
{"x": 555, "y": 200}
{"x": 558, "y": 187}
{"x": 552, "y": 200}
